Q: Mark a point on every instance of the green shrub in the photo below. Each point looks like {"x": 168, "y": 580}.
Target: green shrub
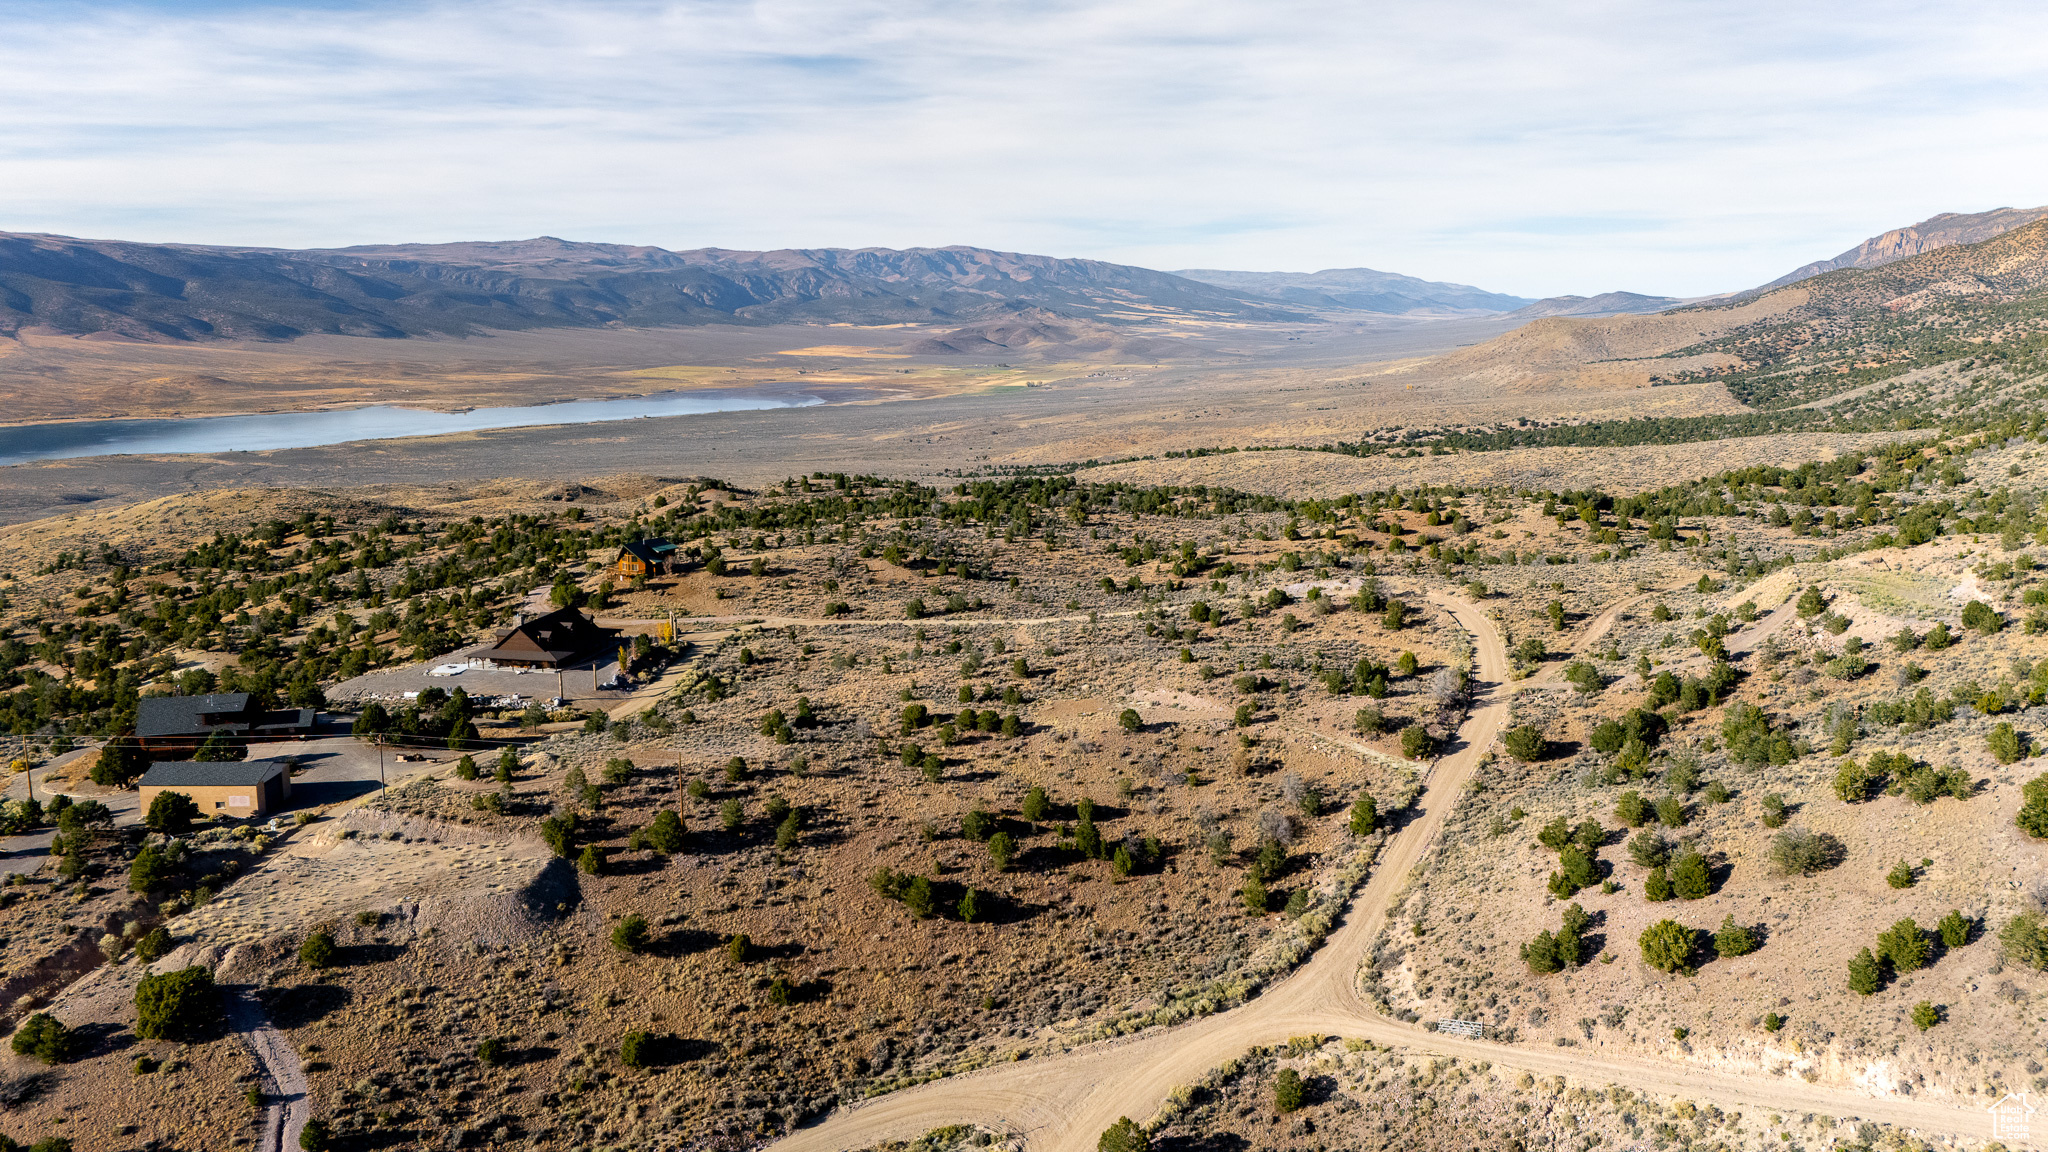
{"x": 492, "y": 1052}
{"x": 2004, "y": 743}
{"x": 1365, "y": 815}
{"x": 1649, "y": 849}
{"x": 631, "y": 934}
{"x": 1798, "y": 851}
{"x": 1632, "y": 810}
{"x": 664, "y": 833}
{"x": 1901, "y": 875}
{"x": 150, "y": 869}
{"x": 559, "y": 831}
{"x": 1865, "y": 975}
{"x": 1733, "y": 939}
{"x": 1289, "y": 1093}
{"x": 1254, "y": 893}
{"x": 1415, "y": 743}
{"x": 1774, "y": 810}
{"x": 154, "y": 945}
{"x": 41, "y": 1037}
{"x": 181, "y": 1005}
{"x": 1690, "y": 879}
{"x": 1979, "y": 617}
{"x": 2024, "y": 941}
{"x": 1124, "y": 1136}
{"x": 318, "y": 951}
{"x": 636, "y": 1049}
{"x": 1925, "y": 1014}
{"x": 1905, "y": 946}
{"x": 171, "y": 813}
{"x": 1954, "y": 929}
{"x": 1657, "y": 887}
{"x": 1525, "y": 743}
{"x": 1667, "y": 946}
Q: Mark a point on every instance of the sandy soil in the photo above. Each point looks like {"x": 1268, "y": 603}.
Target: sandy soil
{"x": 1067, "y": 1102}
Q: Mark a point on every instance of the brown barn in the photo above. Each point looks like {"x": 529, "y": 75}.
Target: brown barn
{"x": 235, "y": 788}
{"x": 168, "y": 725}
{"x": 651, "y": 557}
{"x": 555, "y": 640}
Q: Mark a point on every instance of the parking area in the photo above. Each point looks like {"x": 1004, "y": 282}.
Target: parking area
{"x": 583, "y": 686}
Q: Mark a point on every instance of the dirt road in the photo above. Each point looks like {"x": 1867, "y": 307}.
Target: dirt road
{"x": 288, "y": 1104}
{"x": 1062, "y": 1104}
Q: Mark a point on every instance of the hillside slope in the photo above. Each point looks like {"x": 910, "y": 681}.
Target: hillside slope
{"x": 187, "y": 292}
{"x": 1966, "y": 306}
{"x": 1939, "y": 231}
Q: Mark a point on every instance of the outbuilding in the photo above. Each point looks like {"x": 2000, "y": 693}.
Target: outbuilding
{"x": 235, "y": 788}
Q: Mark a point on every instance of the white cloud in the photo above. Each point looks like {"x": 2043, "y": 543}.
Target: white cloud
{"x": 1676, "y": 147}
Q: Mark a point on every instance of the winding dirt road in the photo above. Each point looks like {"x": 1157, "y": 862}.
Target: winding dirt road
{"x": 1063, "y": 1103}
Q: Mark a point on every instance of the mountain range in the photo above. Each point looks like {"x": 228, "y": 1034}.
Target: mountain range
{"x": 1363, "y": 290}
{"x": 114, "y": 289}
{"x": 195, "y": 292}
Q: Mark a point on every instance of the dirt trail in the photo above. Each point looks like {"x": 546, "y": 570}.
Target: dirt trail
{"x": 1063, "y": 1103}
{"x": 1553, "y": 676}
{"x": 284, "y": 1080}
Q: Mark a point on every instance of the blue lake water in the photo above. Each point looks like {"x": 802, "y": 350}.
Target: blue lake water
{"x": 25, "y": 442}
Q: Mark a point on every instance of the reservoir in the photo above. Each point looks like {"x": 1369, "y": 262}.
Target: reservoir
{"x": 24, "y": 442}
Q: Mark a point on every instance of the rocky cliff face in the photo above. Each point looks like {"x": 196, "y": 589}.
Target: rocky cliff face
{"x": 1943, "y": 231}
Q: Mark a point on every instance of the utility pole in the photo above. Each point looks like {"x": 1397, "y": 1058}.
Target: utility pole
{"x": 382, "y": 783}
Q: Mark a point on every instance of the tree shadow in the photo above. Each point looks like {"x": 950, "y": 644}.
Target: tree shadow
{"x": 637, "y": 865}
{"x": 666, "y": 1048}
{"x": 303, "y": 1004}
{"x": 684, "y": 942}
{"x": 530, "y": 1054}
{"x": 102, "y": 1039}
{"x": 555, "y": 892}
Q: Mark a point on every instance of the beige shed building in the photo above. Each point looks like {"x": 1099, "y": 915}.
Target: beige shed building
{"x": 244, "y": 788}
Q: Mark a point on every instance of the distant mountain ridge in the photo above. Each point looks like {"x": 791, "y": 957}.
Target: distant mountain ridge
{"x": 182, "y": 292}
{"x": 1941, "y": 231}
{"x": 1362, "y": 289}
{"x": 1605, "y": 304}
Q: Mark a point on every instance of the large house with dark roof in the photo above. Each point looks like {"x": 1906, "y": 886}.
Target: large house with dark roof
{"x": 175, "y": 724}
{"x": 556, "y": 640}
{"x": 227, "y": 787}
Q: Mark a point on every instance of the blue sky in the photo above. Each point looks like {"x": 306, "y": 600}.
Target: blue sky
{"x": 1535, "y": 148}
